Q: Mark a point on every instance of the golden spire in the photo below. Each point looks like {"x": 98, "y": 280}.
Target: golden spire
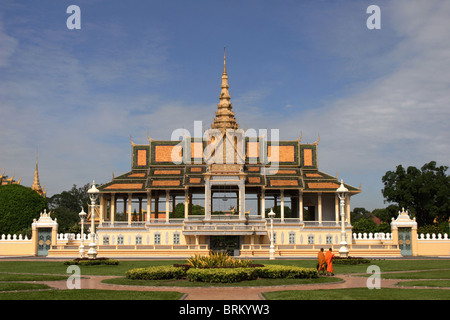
{"x": 36, "y": 183}
{"x": 224, "y": 116}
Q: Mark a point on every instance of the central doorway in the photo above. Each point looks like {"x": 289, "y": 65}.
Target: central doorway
{"x": 229, "y": 244}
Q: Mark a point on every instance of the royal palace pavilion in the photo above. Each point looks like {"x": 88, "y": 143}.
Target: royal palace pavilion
{"x": 215, "y": 193}
{"x": 225, "y": 189}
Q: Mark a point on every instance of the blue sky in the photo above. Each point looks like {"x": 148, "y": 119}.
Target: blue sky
{"x": 377, "y": 98}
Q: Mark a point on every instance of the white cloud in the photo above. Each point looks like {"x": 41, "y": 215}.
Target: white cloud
{"x": 403, "y": 116}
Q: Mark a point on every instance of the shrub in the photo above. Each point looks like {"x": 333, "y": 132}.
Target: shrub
{"x": 222, "y": 275}
{"x": 291, "y": 272}
{"x": 92, "y": 262}
{"x": 217, "y": 259}
{"x": 155, "y": 273}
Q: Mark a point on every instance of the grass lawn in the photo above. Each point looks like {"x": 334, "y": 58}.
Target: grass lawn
{"x": 361, "y": 294}
{"x": 15, "y": 286}
{"x": 90, "y": 294}
{"x": 441, "y": 274}
{"x": 57, "y": 267}
{"x": 13, "y": 271}
{"x": 426, "y": 283}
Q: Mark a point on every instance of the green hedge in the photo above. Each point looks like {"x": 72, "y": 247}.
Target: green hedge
{"x": 91, "y": 262}
{"x": 221, "y": 275}
{"x": 291, "y": 272}
{"x": 155, "y": 273}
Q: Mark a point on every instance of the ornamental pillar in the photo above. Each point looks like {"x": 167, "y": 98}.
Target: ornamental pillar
{"x": 149, "y": 205}
{"x": 130, "y": 200}
{"x": 207, "y": 199}
{"x": 300, "y": 204}
{"x": 263, "y": 203}
{"x": 319, "y": 206}
{"x": 186, "y": 203}
{"x": 167, "y": 205}
{"x": 112, "y": 208}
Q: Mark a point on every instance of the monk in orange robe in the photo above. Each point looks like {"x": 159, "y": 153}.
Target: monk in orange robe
{"x": 321, "y": 262}
{"x": 329, "y": 256}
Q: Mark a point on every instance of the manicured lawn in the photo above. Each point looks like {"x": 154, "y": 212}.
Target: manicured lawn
{"x": 57, "y": 267}
{"x": 426, "y": 283}
{"x": 30, "y": 277}
{"x": 90, "y": 294}
{"x": 13, "y": 286}
{"x": 361, "y": 294}
{"x": 441, "y": 274}
{"x": 13, "y": 271}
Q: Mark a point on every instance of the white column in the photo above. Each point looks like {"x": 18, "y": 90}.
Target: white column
{"x": 336, "y": 208}
{"x": 300, "y": 205}
{"x": 167, "y": 206}
{"x": 319, "y": 206}
{"x": 112, "y": 208}
{"x": 207, "y": 200}
{"x": 149, "y": 205}
{"x": 130, "y": 200}
{"x": 102, "y": 209}
{"x": 242, "y": 200}
{"x": 282, "y": 206}
{"x": 186, "y": 203}
{"x": 263, "y": 203}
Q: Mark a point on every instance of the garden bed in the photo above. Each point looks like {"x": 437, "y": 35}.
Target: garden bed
{"x": 220, "y": 274}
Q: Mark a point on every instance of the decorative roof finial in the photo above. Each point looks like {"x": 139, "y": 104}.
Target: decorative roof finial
{"x": 224, "y": 61}
{"x": 224, "y": 116}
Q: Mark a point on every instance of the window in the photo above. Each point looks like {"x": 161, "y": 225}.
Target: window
{"x": 157, "y": 238}
{"x": 119, "y": 239}
{"x": 176, "y": 238}
{"x": 291, "y": 238}
{"x": 106, "y": 240}
{"x": 311, "y": 239}
{"x": 138, "y": 239}
{"x": 274, "y": 237}
{"x": 329, "y": 240}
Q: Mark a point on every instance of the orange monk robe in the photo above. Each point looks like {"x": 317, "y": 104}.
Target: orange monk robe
{"x": 321, "y": 261}
{"x": 329, "y": 256}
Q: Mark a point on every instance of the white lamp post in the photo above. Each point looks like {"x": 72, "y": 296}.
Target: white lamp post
{"x": 93, "y": 195}
{"x": 82, "y": 215}
{"x": 342, "y": 194}
{"x": 272, "y": 247}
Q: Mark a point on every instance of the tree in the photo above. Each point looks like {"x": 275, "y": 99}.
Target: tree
{"x": 358, "y": 213}
{"x": 66, "y": 206}
{"x": 19, "y": 205}
{"x": 424, "y": 193}
{"x": 386, "y": 214}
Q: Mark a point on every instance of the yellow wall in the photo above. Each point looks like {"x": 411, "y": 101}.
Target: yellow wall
{"x": 17, "y": 248}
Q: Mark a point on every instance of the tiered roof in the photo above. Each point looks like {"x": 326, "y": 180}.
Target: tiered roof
{"x": 152, "y": 169}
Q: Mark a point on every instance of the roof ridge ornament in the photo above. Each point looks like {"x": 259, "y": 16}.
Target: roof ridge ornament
{"x": 224, "y": 115}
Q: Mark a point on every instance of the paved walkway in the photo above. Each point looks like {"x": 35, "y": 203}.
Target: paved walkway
{"x": 225, "y": 293}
